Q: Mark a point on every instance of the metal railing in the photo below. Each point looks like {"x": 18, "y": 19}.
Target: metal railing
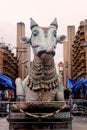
{"x": 81, "y": 107}
{"x": 54, "y": 115}
{"x": 41, "y": 115}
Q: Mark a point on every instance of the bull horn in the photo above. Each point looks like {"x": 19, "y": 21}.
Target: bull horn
{"x": 54, "y": 22}
{"x": 32, "y": 23}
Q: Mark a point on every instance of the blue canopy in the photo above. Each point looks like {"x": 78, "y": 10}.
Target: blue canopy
{"x": 7, "y": 82}
{"x": 71, "y": 83}
{"x": 75, "y": 86}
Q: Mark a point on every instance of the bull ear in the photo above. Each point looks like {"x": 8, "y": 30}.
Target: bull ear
{"x": 32, "y": 23}
{"x": 61, "y": 39}
{"x": 54, "y": 22}
{"x": 25, "y": 40}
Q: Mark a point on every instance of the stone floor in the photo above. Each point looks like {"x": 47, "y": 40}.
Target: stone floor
{"x": 79, "y": 123}
{"x": 4, "y": 125}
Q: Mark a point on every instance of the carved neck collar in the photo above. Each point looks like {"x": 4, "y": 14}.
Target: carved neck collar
{"x": 43, "y": 75}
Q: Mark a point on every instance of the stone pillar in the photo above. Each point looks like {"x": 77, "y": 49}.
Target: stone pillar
{"x": 70, "y": 35}
{"x": 67, "y": 53}
{"x": 85, "y": 30}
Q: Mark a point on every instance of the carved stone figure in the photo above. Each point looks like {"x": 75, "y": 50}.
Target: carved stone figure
{"x": 42, "y": 83}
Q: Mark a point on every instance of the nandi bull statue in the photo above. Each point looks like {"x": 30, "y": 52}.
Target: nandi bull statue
{"x": 42, "y": 83}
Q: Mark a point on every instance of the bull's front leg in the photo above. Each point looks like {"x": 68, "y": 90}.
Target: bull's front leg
{"x": 60, "y": 93}
{"x": 20, "y": 96}
{"x": 60, "y": 96}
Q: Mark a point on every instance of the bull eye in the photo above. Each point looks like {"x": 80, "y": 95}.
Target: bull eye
{"x": 35, "y": 33}
{"x": 54, "y": 33}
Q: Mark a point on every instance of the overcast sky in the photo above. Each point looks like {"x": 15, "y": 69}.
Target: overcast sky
{"x": 67, "y": 12}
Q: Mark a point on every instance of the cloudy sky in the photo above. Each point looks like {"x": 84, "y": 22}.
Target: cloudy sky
{"x": 67, "y": 12}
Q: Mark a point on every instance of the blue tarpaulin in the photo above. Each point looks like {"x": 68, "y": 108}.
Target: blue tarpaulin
{"x": 75, "y": 86}
{"x": 71, "y": 83}
{"x": 7, "y": 82}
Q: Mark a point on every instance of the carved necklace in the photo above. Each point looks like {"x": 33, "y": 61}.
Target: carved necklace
{"x": 43, "y": 76}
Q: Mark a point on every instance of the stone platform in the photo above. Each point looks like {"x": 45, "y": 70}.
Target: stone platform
{"x": 41, "y": 118}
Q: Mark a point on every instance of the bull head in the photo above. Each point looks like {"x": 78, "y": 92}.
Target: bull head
{"x": 43, "y": 39}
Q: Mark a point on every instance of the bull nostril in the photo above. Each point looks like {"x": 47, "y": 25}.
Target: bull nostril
{"x": 41, "y": 52}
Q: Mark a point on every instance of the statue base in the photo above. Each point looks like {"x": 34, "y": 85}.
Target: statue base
{"x": 41, "y": 118}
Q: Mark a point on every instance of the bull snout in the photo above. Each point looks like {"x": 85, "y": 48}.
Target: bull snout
{"x": 40, "y": 53}
{"x": 50, "y": 51}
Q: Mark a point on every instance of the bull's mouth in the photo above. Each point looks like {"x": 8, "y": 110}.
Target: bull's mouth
{"x": 40, "y": 53}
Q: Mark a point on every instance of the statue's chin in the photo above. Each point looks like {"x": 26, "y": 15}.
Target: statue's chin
{"x": 46, "y": 56}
